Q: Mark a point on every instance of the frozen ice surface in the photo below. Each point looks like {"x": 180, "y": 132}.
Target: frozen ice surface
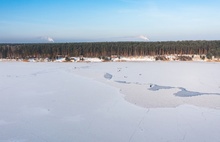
{"x": 54, "y": 102}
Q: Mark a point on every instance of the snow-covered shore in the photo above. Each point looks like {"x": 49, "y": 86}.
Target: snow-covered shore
{"x": 96, "y": 102}
{"x": 187, "y": 57}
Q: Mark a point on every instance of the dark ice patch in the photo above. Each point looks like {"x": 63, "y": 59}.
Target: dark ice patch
{"x": 154, "y": 87}
{"x": 123, "y": 82}
{"x": 182, "y": 93}
{"x": 108, "y": 76}
{"x": 186, "y": 93}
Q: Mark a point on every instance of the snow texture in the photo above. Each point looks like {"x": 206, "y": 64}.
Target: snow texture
{"x": 96, "y": 102}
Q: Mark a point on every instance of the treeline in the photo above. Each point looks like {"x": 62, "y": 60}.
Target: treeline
{"x": 107, "y": 49}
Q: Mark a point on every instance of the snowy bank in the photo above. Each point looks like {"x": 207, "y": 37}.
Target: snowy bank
{"x": 182, "y": 57}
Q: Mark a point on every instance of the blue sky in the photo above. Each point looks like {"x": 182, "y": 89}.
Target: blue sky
{"x": 108, "y": 20}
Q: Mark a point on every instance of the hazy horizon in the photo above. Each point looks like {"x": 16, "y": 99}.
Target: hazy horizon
{"x": 47, "y": 21}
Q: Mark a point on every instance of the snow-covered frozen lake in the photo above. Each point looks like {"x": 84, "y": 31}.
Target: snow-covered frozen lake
{"x": 106, "y": 102}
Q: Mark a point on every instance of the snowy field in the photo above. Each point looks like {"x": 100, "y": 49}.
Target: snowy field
{"x": 110, "y": 102}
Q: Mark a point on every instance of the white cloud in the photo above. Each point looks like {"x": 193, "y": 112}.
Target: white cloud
{"x": 47, "y": 39}
{"x": 143, "y": 37}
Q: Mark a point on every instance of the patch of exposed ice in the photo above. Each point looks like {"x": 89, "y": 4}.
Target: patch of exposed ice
{"x": 186, "y": 93}
{"x": 123, "y": 82}
{"x": 183, "y": 93}
{"x": 154, "y": 87}
{"x": 108, "y": 76}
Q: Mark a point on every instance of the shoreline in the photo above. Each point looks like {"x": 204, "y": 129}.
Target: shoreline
{"x": 97, "y": 60}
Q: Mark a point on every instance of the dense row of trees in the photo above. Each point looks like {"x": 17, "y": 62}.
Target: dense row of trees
{"x": 106, "y": 49}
